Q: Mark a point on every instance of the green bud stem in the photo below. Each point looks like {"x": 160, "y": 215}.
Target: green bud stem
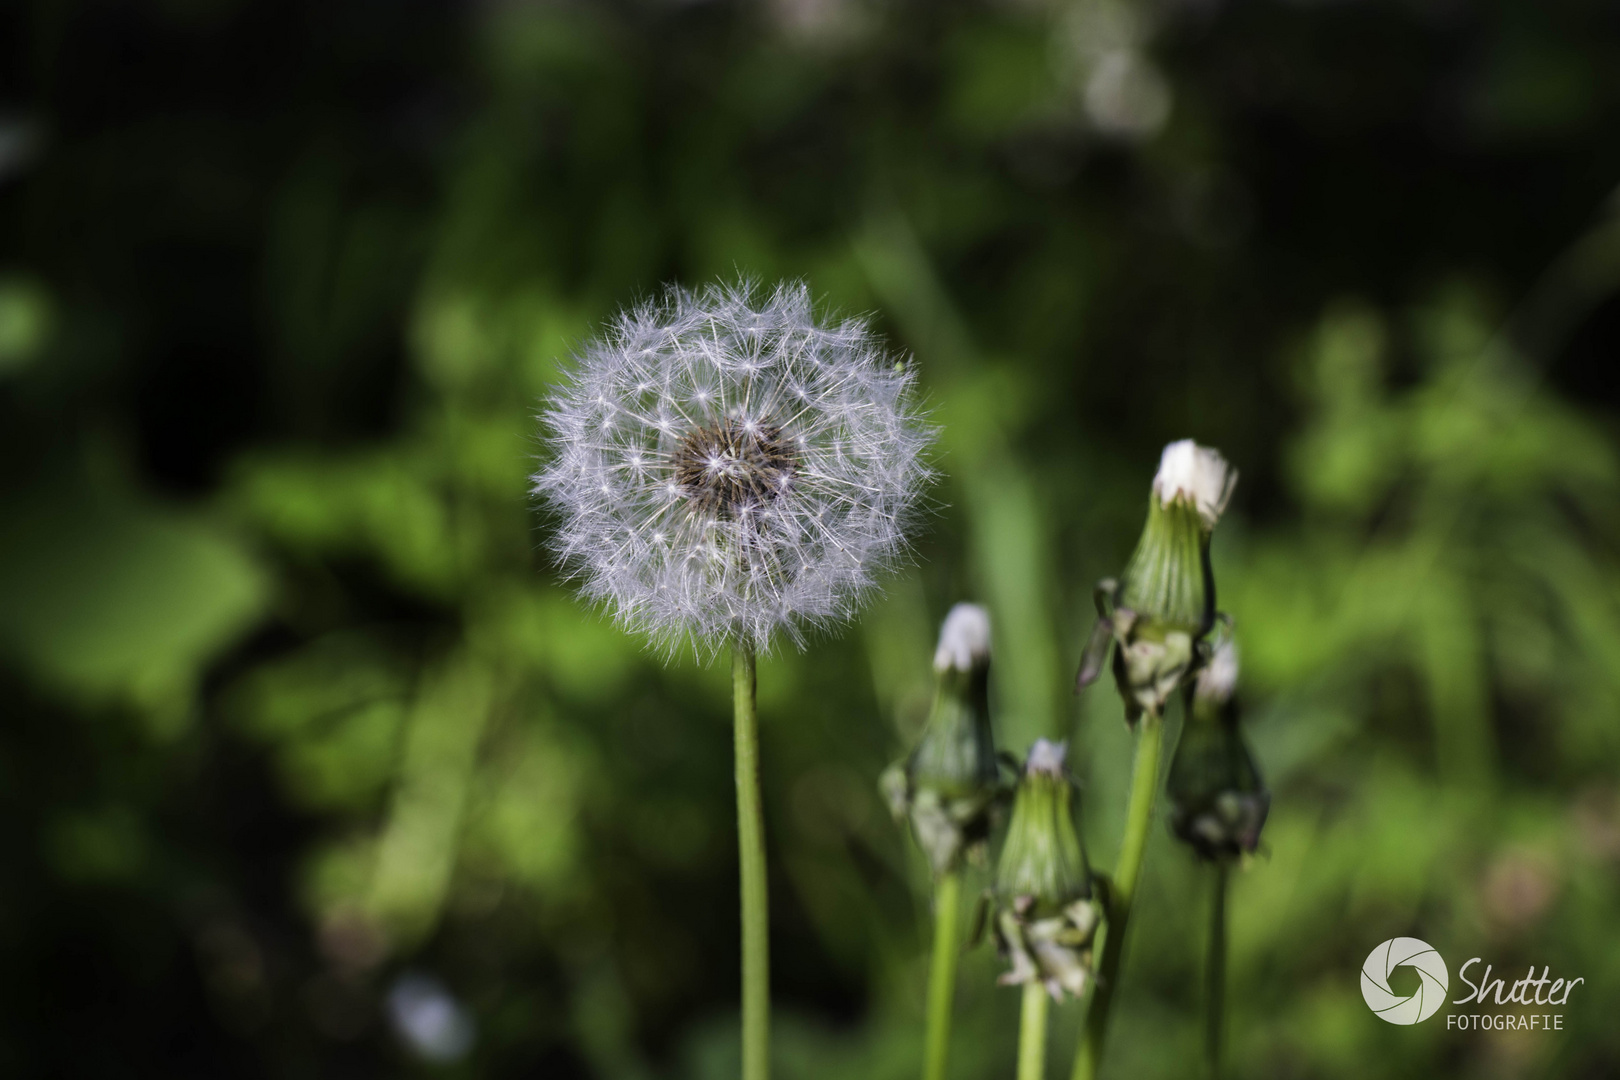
{"x": 957, "y": 755}
{"x": 1168, "y": 578}
{"x": 942, "y": 973}
{"x": 1032, "y": 1032}
{"x": 1041, "y": 857}
{"x": 756, "y": 962}
{"x": 1215, "y": 973}
{"x": 1138, "y": 822}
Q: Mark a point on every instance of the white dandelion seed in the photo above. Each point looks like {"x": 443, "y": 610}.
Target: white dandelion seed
{"x": 1217, "y": 680}
{"x": 964, "y": 639}
{"x": 1197, "y": 473}
{"x": 726, "y": 468}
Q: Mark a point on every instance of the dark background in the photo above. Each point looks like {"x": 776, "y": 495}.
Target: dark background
{"x": 297, "y": 715}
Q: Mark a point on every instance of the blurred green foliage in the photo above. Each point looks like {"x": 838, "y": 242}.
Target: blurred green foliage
{"x": 296, "y": 702}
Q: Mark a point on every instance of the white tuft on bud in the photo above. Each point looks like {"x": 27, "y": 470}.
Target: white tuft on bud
{"x": 964, "y": 639}
{"x": 1218, "y": 679}
{"x": 1046, "y": 757}
{"x": 1200, "y": 474}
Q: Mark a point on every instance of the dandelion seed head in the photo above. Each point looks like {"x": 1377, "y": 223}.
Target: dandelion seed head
{"x": 726, "y": 468}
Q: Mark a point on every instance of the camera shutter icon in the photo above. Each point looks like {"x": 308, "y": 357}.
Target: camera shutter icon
{"x": 1404, "y": 952}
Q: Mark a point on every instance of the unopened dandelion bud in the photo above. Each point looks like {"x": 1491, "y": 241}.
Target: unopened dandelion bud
{"x": 1047, "y": 912}
{"x": 1157, "y": 613}
{"x": 948, "y": 786}
{"x": 1168, "y": 580}
{"x": 957, "y": 754}
{"x": 1218, "y": 801}
{"x": 1042, "y": 858}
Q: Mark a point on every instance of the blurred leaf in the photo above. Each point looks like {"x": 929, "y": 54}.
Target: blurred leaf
{"x": 332, "y": 714}
{"x": 524, "y": 813}
{"x": 1004, "y": 78}
{"x": 112, "y": 599}
{"x": 417, "y": 850}
{"x": 102, "y": 845}
{"x": 26, "y": 322}
{"x": 387, "y": 505}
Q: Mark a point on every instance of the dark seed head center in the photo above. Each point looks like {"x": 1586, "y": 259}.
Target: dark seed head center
{"x": 733, "y": 465}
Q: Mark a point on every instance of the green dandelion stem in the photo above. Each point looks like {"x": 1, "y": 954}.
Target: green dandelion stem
{"x": 1032, "y": 1032}
{"x": 942, "y": 973}
{"x": 1215, "y": 973}
{"x": 1144, "y": 787}
{"x": 756, "y": 961}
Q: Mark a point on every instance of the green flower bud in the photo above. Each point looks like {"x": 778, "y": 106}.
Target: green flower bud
{"x": 1168, "y": 580}
{"x": 1218, "y": 802}
{"x": 1046, "y": 912}
{"x": 1157, "y": 615}
{"x": 951, "y": 782}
